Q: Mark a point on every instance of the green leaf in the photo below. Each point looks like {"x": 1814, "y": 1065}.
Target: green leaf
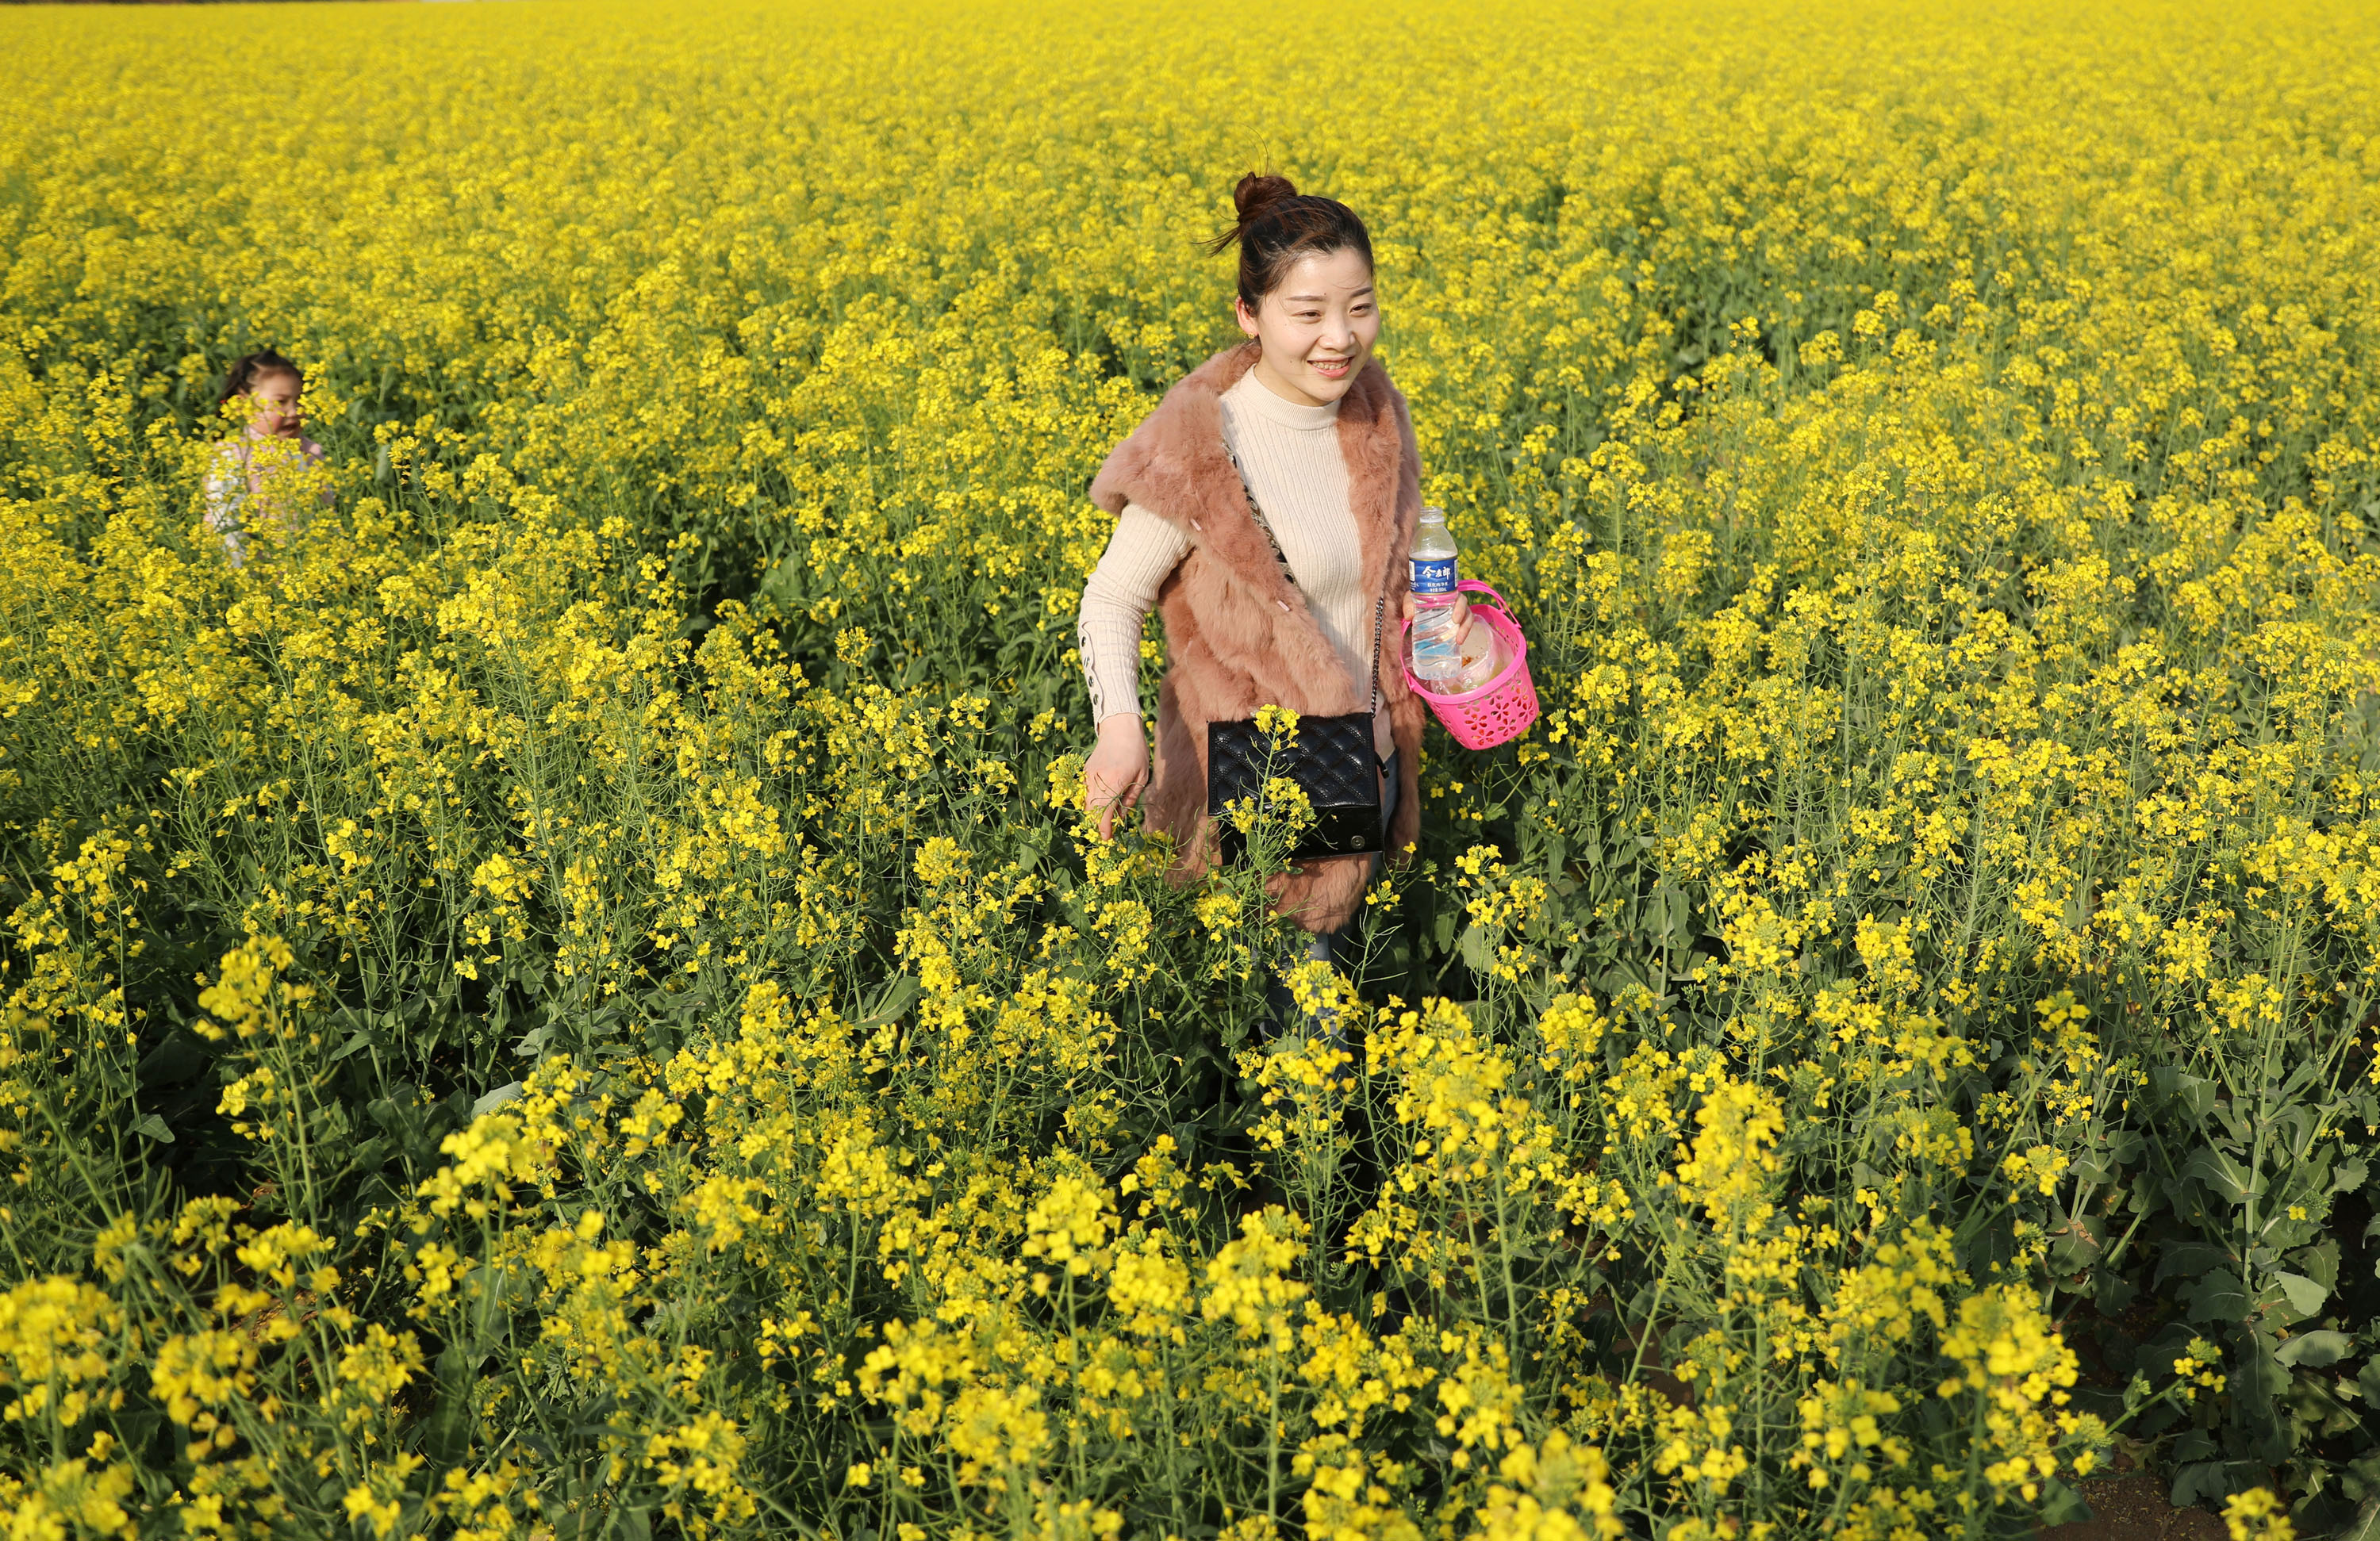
{"x": 177, "y": 1059}
{"x": 2315, "y": 1350}
{"x": 2305, "y": 1296}
{"x": 155, "y": 1128}
{"x": 2218, "y": 1297}
{"x": 2189, "y": 1260}
{"x": 2061, "y": 1505}
{"x": 898, "y": 993}
{"x": 2213, "y": 1479}
{"x": 2222, "y": 1176}
{"x": 2195, "y": 1093}
{"x": 1669, "y": 913}
{"x": 2365, "y": 1527}
{"x": 2318, "y": 1262}
{"x": 2079, "y": 1241}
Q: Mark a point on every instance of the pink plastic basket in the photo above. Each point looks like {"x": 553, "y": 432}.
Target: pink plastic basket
{"x": 1500, "y": 711}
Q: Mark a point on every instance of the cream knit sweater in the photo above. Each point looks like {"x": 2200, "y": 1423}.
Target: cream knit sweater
{"x": 1290, "y": 455}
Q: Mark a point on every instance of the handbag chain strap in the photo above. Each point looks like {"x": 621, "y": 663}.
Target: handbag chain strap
{"x": 1379, "y": 602}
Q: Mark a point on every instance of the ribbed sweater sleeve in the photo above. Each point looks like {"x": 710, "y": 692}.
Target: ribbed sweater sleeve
{"x": 1116, "y": 598}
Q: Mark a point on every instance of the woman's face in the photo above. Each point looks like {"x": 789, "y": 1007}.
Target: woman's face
{"x": 273, "y": 404}
{"x": 1317, "y": 328}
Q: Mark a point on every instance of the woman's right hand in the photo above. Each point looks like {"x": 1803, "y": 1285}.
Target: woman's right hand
{"x": 1117, "y": 773}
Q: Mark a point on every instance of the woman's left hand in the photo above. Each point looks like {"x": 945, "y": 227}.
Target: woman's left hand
{"x": 1461, "y": 610}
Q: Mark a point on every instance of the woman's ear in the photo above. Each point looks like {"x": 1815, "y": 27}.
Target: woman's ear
{"x": 1246, "y": 317}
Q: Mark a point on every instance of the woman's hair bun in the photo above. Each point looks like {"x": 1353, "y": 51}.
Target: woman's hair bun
{"x": 1278, "y": 224}
{"x": 1258, "y": 191}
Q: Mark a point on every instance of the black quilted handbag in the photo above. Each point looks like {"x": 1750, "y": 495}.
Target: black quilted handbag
{"x": 1330, "y": 758}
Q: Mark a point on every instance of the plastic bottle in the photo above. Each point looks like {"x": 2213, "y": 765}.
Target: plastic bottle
{"x": 1448, "y": 663}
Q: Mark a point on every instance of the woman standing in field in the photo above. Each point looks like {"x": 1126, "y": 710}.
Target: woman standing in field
{"x": 263, "y": 476}
{"x": 1327, "y": 452}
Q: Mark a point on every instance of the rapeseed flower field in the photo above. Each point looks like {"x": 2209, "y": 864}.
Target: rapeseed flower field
{"x": 567, "y": 994}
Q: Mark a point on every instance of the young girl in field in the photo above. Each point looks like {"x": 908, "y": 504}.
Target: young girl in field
{"x": 1328, "y": 451}
{"x": 267, "y": 475}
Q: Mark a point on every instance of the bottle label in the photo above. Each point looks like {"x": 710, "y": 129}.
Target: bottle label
{"x": 1433, "y": 575}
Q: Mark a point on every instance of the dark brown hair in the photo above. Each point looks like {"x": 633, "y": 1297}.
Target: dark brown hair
{"x": 1279, "y": 225}
{"x": 249, "y": 368}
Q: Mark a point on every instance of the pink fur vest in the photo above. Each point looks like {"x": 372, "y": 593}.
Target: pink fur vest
{"x": 1240, "y": 634}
